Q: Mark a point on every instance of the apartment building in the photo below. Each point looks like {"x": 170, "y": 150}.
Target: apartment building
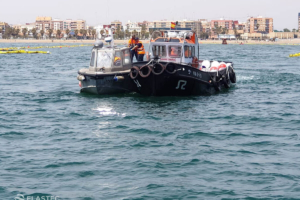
{"x": 133, "y": 26}
{"x": 3, "y": 26}
{"x": 74, "y": 24}
{"x": 116, "y": 24}
{"x": 57, "y": 24}
{"x": 299, "y": 22}
{"x": 228, "y": 24}
{"x": 260, "y": 25}
{"x": 43, "y": 23}
{"x": 147, "y": 24}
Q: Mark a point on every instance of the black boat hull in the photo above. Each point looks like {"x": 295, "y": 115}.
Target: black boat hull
{"x": 185, "y": 81}
{"x": 112, "y": 83}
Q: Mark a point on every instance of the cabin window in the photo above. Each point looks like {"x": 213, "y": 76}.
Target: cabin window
{"x": 117, "y": 59}
{"x": 186, "y": 51}
{"x": 159, "y": 50}
{"x": 126, "y": 57}
{"x": 193, "y": 52}
{"x": 175, "y": 51}
{"x": 104, "y": 59}
{"x": 92, "y": 64}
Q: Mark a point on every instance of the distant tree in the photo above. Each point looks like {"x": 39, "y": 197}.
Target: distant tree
{"x": 90, "y": 31}
{"x": 134, "y": 32}
{"x": 143, "y": 31}
{"x": 76, "y": 33}
{"x": 58, "y": 33}
{"x": 24, "y": 31}
{"x": 118, "y": 32}
{"x": 33, "y": 31}
{"x": 102, "y": 32}
{"x": 224, "y": 30}
{"x": 7, "y": 33}
{"x": 147, "y": 34}
{"x": 286, "y": 30}
{"x": 84, "y": 33}
{"x": 50, "y": 31}
{"x": 257, "y": 26}
{"x": 67, "y": 32}
{"x": 294, "y": 30}
{"x": 81, "y": 31}
{"x": 94, "y": 33}
{"x": 42, "y": 32}
{"x": 218, "y": 30}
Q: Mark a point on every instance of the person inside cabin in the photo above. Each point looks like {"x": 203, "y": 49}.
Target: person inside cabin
{"x": 174, "y": 52}
{"x": 140, "y": 50}
{"x": 117, "y": 60}
{"x": 131, "y": 45}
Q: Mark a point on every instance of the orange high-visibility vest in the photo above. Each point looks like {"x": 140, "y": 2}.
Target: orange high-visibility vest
{"x": 131, "y": 42}
{"x": 141, "y": 50}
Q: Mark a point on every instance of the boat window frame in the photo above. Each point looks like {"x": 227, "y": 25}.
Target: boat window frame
{"x": 110, "y": 51}
{"x": 189, "y": 51}
{"x": 93, "y": 56}
{"x": 160, "y": 45}
{"x": 123, "y": 53}
{"x": 193, "y": 51}
{"x": 176, "y": 46}
{"x": 121, "y": 63}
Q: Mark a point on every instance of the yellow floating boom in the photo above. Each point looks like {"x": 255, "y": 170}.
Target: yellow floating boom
{"x": 44, "y": 47}
{"x": 23, "y": 51}
{"x": 294, "y": 55}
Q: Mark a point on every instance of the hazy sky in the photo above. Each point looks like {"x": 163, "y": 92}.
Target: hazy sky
{"x": 284, "y": 12}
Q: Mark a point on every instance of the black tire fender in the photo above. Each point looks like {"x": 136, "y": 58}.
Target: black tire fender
{"x": 134, "y": 72}
{"x": 158, "y": 69}
{"x": 145, "y": 71}
{"x": 171, "y": 68}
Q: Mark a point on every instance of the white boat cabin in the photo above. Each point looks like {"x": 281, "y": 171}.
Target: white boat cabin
{"x": 110, "y": 59}
{"x": 174, "y": 46}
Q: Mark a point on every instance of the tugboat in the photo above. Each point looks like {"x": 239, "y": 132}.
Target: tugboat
{"x": 174, "y": 70}
{"x": 109, "y": 69}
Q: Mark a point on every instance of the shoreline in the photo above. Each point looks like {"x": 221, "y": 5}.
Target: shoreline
{"x": 237, "y": 42}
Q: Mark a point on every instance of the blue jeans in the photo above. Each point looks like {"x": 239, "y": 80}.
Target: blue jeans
{"x": 132, "y": 54}
{"x": 141, "y": 57}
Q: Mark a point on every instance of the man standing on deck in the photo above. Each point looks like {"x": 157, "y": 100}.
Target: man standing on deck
{"x": 131, "y": 45}
{"x": 140, "y": 49}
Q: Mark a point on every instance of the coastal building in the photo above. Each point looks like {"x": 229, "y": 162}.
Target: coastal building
{"x": 147, "y": 25}
{"x": 227, "y": 24}
{"x": 57, "y": 24}
{"x": 299, "y": 22}
{"x": 74, "y": 24}
{"x": 28, "y": 26}
{"x": 189, "y": 24}
{"x": 3, "y": 26}
{"x": 117, "y": 24}
{"x": 260, "y": 25}
{"x": 43, "y": 23}
{"x": 133, "y": 27}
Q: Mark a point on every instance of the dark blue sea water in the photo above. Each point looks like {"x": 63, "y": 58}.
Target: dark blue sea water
{"x": 243, "y": 143}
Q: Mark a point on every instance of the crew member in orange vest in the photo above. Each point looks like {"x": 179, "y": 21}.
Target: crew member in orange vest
{"x": 140, "y": 50}
{"x": 131, "y": 45}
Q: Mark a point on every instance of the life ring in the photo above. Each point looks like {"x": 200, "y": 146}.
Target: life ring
{"x": 158, "y": 69}
{"x": 195, "y": 62}
{"x": 171, "y": 68}
{"x": 145, "y": 71}
{"x": 134, "y": 72}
